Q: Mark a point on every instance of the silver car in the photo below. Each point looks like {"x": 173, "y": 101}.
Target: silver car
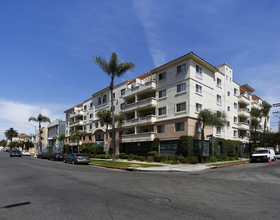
{"x": 76, "y": 158}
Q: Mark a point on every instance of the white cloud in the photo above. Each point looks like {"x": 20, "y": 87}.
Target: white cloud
{"x": 145, "y": 13}
{"x": 16, "y": 114}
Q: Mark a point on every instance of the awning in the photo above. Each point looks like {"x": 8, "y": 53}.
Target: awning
{"x": 98, "y": 144}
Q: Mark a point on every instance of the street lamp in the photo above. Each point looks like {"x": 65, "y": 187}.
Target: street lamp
{"x": 35, "y": 135}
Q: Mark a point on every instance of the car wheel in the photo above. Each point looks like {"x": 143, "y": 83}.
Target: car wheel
{"x": 64, "y": 161}
{"x": 73, "y": 162}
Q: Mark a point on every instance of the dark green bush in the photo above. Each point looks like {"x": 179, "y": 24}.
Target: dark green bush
{"x": 209, "y": 159}
{"x": 157, "y": 157}
{"x": 122, "y": 155}
{"x": 245, "y": 156}
{"x": 103, "y": 156}
{"x": 236, "y": 158}
{"x": 141, "y": 158}
{"x": 184, "y": 160}
{"x": 152, "y": 153}
{"x": 150, "y": 159}
{"x": 163, "y": 157}
{"x": 231, "y": 158}
{"x": 222, "y": 158}
{"x": 194, "y": 160}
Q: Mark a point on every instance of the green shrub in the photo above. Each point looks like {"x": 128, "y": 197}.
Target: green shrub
{"x": 152, "y": 153}
{"x": 122, "y": 155}
{"x": 231, "y": 158}
{"x": 184, "y": 160}
{"x": 210, "y": 160}
{"x": 236, "y": 158}
{"x": 163, "y": 157}
{"x": 173, "y": 162}
{"x": 141, "y": 158}
{"x": 117, "y": 156}
{"x": 103, "y": 156}
{"x": 155, "y": 145}
{"x": 194, "y": 160}
{"x": 157, "y": 157}
{"x": 150, "y": 159}
{"x": 222, "y": 158}
{"x": 245, "y": 156}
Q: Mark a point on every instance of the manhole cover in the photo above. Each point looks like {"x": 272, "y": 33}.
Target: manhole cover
{"x": 158, "y": 200}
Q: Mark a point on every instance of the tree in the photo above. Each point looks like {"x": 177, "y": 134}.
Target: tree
{"x": 76, "y": 136}
{"x": 10, "y": 134}
{"x": 61, "y": 140}
{"x": 256, "y": 115}
{"x": 41, "y": 119}
{"x": 209, "y": 118}
{"x": 113, "y": 68}
{"x": 265, "y": 113}
{"x": 3, "y": 143}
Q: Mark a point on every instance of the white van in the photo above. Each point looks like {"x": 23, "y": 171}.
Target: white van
{"x": 264, "y": 154}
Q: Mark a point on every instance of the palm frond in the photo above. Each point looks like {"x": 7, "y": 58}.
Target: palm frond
{"x": 32, "y": 119}
{"x": 124, "y": 67}
{"x": 102, "y": 63}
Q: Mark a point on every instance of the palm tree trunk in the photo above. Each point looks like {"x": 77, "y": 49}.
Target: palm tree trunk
{"x": 106, "y": 144}
{"x": 113, "y": 118}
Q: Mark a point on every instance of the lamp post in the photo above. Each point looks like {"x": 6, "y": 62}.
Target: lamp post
{"x": 35, "y": 136}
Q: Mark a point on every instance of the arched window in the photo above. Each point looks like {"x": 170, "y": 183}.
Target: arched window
{"x": 104, "y": 98}
{"x": 99, "y": 101}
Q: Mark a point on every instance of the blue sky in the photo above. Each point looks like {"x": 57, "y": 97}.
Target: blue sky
{"x": 47, "y": 47}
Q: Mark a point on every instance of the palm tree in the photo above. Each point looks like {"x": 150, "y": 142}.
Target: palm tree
{"x": 256, "y": 115}
{"x": 61, "y": 140}
{"x": 265, "y": 113}
{"x": 209, "y": 118}
{"x": 40, "y": 118}
{"x": 76, "y": 136}
{"x": 10, "y": 134}
{"x": 113, "y": 68}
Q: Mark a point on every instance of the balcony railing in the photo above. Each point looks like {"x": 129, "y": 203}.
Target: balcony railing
{"x": 243, "y": 126}
{"x": 75, "y": 123}
{"x": 77, "y": 113}
{"x": 243, "y": 99}
{"x": 243, "y": 113}
{"x": 151, "y": 85}
{"x": 145, "y": 103}
{"x": 146, "y": 136}
{"x": 150, "y": 119}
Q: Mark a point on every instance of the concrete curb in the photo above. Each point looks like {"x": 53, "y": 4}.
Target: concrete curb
{"x": 228, "y": 165}
{"x": 116, "y": 168}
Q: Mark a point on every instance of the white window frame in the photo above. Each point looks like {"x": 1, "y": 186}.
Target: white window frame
{"x": 180, "y": 125}
{"x": 162, "y": 76}
{"x": 160, "y": 129}
{"x": 162, "y": 111}
{"x": 162, "y": 93}
{"x": 197, "y": 127}
{"x": 181, "y": 68}
{"x": 198, "y": 89}
{"x": 219, "y": 99}
{"x": 219, "y": 82}
{"x": 181, "y": 105}
{"x": 181, "y": 87}
{"x": 218, "y": 130}
{"x": 198, "y": 107}
{"x": 198, "y": 69}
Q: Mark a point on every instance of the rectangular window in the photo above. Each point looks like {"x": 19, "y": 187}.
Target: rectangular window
{"x": 85, "y": 107}
{"x": 181, "y": 87}
{"x": 113, "y": 95}
{"x": 235, "y": 105}
{"x": 228, "y": 108}
{"x": 179, "y": 126}
{"x": 198, "y": 69}
{"x": 85, "y": 117}
{"x": 162, "y": 111}
{"x": 120, "y": 133}
{"x": 198, "y": 89}
{"x": 122, "y": 92}
{"x": 89, "y": 137}
{"x": 235, "y": 119}
{"x": 84, "y": 138}
{"x": 235, "y": 91}
{"x": 91, "y": 115}
{"x": 162, "y": 93}
{"x": 160, "y": 129}
{"x": 96, "y": 125}
{"x": 198, "y": 107}
{"x": 228, "y": 93}
{"x": 198, "y": 127}
{"x": 218, "y": 130}
{"x": 85, "y": 128}
{"x": 110, "y": 134}
{"x": 90, "y": 105}
{"x": 181, "y": 68}
{"x": 219, "y": 82}
{"x": 181, "y": 107}
{"x": 162, "y": 76}
{"x": 90, "y": 127}
{"x": 122, "y": 105}
{"x": 227, "y": 77}
{"x": 234, "y": 133}
{"x": 219, "y": 99}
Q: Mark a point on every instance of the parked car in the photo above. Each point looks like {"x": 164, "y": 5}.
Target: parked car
{"x": 15, "y": 153}
{"x": 25, "y": 153}
{"x": 277, "y": 155}
{"x": 7, "y": 150}
{"x": 56, "y": 156}
{"x": 43, "y": 155}
{"x": 76, "y": 158}
{"x": 264, "y": 154}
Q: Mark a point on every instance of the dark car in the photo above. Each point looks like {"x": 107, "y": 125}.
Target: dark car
{"x": 8, "y": 150}
{"x": 76, "y": 158}
{"x": 56, "y": 156}
{"x": 15, "y": 153}
{"x": 43, "y": 155}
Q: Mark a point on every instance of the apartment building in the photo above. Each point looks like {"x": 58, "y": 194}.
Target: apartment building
{"x": 164, "y": 103}
{"x": 55, "y": 129}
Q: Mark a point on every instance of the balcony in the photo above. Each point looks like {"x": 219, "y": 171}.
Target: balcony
{"x": 150, "y": 119}
{"x": 76, "y": 123}
{"x": 244, "y": 100}
{"x": 146, "y": 136}
{"x": 142, "y": 104}
{"x": 76, "y": 114}
{"x": 74, "y": 142}
{"x": 243, "y": 126}
{"x": 148, "y": 86}
{"x": 255, "y": 105}
{"x": 243, "y": 113}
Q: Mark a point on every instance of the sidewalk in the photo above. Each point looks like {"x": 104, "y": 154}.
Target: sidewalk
{"x": 177, "y": 167}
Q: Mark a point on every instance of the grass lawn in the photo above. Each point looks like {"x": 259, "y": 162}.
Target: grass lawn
{"x": 228, "y": 163}
{"x": 122, "y": 164}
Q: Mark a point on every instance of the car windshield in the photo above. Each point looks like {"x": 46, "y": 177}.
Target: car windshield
{"x": 261, "y": 151}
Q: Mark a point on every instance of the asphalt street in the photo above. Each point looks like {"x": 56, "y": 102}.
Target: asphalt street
{"x": 32, "y": 188}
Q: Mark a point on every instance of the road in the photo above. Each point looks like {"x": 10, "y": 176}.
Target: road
{"x": 32, "y": 188}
